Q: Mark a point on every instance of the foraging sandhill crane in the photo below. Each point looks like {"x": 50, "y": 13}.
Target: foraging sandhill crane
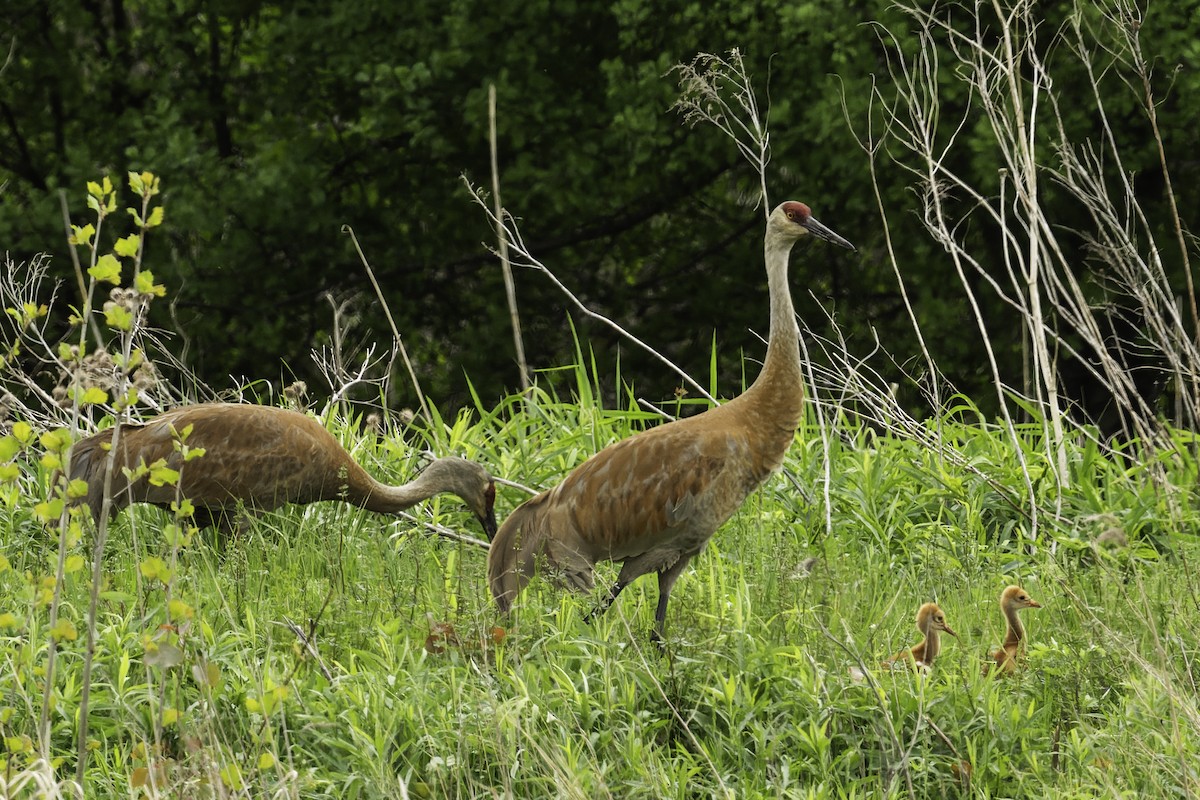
{"x": 653, "y": 501}
{"x": 1012, "y": 600}
{"x": 931, "y": 620}
{"x": 259, "y": 458}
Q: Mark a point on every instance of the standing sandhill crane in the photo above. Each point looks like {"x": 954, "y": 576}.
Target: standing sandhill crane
{"x": 930, "y": 621}
{"x": 653, "y": 501}
{"x": 1012, "y": 600}
{"x": 260, "y": 457}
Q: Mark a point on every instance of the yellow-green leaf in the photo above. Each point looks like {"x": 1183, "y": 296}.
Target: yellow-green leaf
{"x": 156, "y": 218}
{"x": 136, "y": 184}
{"x": 81, "y": 235}
{"x": 55, "y": 440}
{"x": 127, "y": 246}
{"x": 145, "y": 284}
{"x": 77, "y": 488}
{"x": 94, "y": 189}
{"x": 170, "y": 716}
{"x": 64, "y": 630}
{"x": 155, "y": 568}
{"x": 8, "y": 621}
{"x": 118, "y": 318}
{"x": 23, "y": 432}
{"x": 266, "y": 761}
{"x": 231, "y": 776}
{"x": 73, "y": 563}
{"x": 9, "y": 447}
{"x": 48, "y": 511}
{"x": 107, "y": 268}
{"x": 163, "y": 476}
{"x": 180, "y": 610}
{"x": 93, "y": 396}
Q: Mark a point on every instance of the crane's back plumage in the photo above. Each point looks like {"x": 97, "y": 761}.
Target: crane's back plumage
{"x": 653, "y": 501}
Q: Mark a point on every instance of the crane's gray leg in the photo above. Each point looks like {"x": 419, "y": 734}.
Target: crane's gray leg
{"x": 606, "y": 602}
{"x": 666, "y": 581}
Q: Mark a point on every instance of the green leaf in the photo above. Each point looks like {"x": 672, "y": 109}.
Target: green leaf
{"x": 127, "y": 246}
{"x": 93, "y": 396}
{"x": 94, "y": 189}
{"x": 136, "y": 184}
{"x": 9, "y": 473}
{"x": 145, "y": 284}
{"x": 163, "y": 476}
{"x": 23, "y": 431}
{"x": 156, "y": 218}
{"x": 9, "y": 447}
{"x": 48, "y": 511}
{"x": 73, "y": 563}
{"x": 107, "y": 268}
{"x": 82, "y": 235}
{"x": 64, "y": 630}
{"x": 118, "y": 318}
{"x": 55, "y": 440}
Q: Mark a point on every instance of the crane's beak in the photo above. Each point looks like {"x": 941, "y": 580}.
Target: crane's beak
{"x": 488, "y": 521}
{"x": 813, "y": 226}
{"x": 949, "y": 630}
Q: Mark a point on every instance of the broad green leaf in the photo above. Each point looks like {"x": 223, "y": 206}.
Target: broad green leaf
{"x": 163, "y": 476}
{"x": 23, "y": 431}
{"x": 9, "y": 447}
{"x": 127, "y": 246}
{"x": 64, "y": 630}
{"x": 94, "y": 395}
{"x": 145, "y": 284}
{"x": 118, "y": 318}
{"x": 107, "y": 268}
{"x": 156, "y": 217}
{"x": 82, "y": 234}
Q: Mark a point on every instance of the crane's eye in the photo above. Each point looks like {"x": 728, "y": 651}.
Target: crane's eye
{"x": 791, "y": 214}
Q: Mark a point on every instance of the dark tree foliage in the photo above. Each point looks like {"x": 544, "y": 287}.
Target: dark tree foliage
{"x": 273, "y": 125}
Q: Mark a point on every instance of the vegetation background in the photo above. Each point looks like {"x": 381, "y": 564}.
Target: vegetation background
{"x": 273, "y": 125}
{"x": 1022, "y": 186}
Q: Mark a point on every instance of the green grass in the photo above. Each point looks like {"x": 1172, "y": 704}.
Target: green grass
{"x": 754, "y": 697}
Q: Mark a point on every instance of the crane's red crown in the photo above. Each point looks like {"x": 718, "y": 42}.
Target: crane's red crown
{"x": 797, "y": 212}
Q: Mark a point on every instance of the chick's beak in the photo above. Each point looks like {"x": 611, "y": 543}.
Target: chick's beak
{"x": 946, "y": 627}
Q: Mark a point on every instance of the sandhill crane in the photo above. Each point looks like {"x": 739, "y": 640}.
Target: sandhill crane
{"x": 931, "y": 620}
{"x": 1012, "y": 600}
{"x": 653, "y": 501}
{"x": 260, "y": 457}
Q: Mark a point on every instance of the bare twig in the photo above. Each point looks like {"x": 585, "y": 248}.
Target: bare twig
{"x": 397, "y": 340}
{"x": 510, "y": 290}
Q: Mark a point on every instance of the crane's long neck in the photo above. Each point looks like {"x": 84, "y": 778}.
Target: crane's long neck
{"x": 933, "y": 645}
{"x": 1016, "y": 631}
{"x": 384, "y": 499}
{"x": 781, "y": 380}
